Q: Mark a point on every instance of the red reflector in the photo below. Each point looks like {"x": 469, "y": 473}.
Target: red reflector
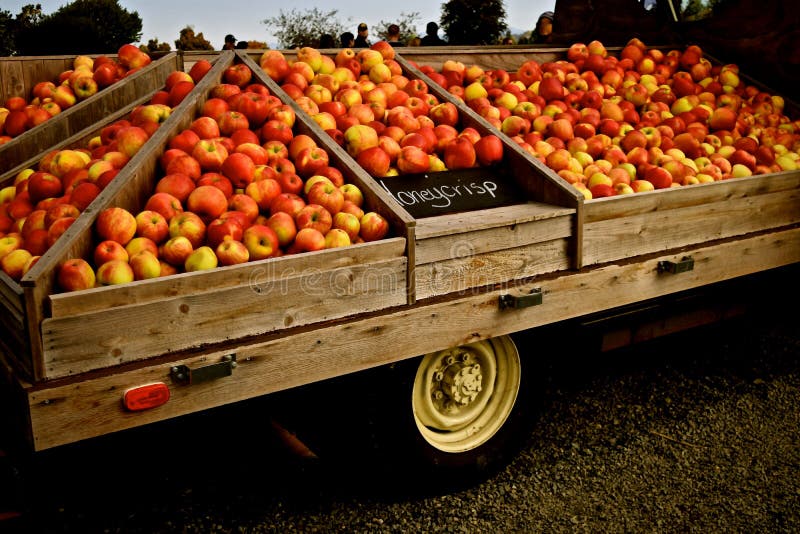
{"x": 146, "y": 397}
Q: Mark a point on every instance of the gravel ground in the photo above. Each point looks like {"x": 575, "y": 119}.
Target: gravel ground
{"x": 697, "y": 432}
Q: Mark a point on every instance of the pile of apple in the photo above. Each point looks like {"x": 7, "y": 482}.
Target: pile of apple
{"x": 49, "y": 98}
{"x": 390, "y": 124}
{"x": 639, "y": 121}
{"x": 237, "y": 185}
{"x": 44, "y": 201}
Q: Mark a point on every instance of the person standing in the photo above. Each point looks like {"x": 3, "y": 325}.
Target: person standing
{"x": 230, "y": 42}
{"x": 393, "y": 35}
{"x": 543, "y": 33}
{"x": 432, "y": 36}
{"x": 347, "y": 40}
{"x": 361, "y": 38}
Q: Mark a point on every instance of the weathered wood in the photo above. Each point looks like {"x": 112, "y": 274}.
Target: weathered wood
{"x": 644, "y": 233}
{"x": 467, "y": 243}
{"x": 207, "y": 317}
{"x": 90, "y": 407}
{"x": 459, "y": 275}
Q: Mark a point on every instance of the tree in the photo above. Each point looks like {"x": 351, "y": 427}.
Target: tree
{"x": 469, "y": 22}
{"x": 407, "y": 23}
{"x": 10, "y": 28}
{"x": 153, "y": 45}
{"x": 297, "y": 29}
{"x": 6, "y": 33}
{"x": 188, "y": 40}
{"x": 81, "y": 27}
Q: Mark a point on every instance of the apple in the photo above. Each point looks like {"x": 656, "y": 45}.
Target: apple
{"x": 459, "y": 154}
{"x": 412, "y": 160}
{"x": 116, "y": 224}
{"x": 231, "y": 252}
{"x": 201, "y": 259}
{"x": 310, "y": 160}
{"x": 287, "y": 202}
{"x": 13, "y": 263}
{"x": 284, "y": 226}
{"x": 309, "y": 239}
{"x": 359, "y": 137}
{"x": 348, "y": 222}
{"x": 109, "y": 250}
{"x": 261, "y": 241}
{"x": 153, "y": 225}
{"x": 239, "y": 169}
{"x": 375, "y": 160}
{"x": 189, "y": 225}
{"x": 217, "y": 180}
{"x": 314, "y": 216}
{"x": 75, "y": 275}
{"x": 131, "y": 139}
{"x": 164, "y": 204}
{"x": 489, "y": 150}
{"x": 145, "y": 265}
{"x": 175, "y": 250}
{"x": 263, "y": 192}
{"x": 373, "y": 226}
{"x": 207, "y": 201}
{"x": 114, "y": 272}
{"x": 327, "y": 195}
{"x": 178, "y": 185}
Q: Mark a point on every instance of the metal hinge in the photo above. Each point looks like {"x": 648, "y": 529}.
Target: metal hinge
{"x": 183, "y": 374}
{"x": 534, "y": 298}
{"x": 675, "y": 267}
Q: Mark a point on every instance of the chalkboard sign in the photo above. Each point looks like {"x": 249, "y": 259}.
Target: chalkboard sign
{"x": 438, "y": 193}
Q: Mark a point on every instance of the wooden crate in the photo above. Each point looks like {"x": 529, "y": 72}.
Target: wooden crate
{"x": 107, "y": 326}
{"x": 19, "y": 324}
{"x": 614, "y": 228}
{"x": 18, "y": 75}
{"x": 461, "y": 251}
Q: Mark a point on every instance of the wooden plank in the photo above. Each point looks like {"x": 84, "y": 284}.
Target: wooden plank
{"x": 626, "y": 237}
{"x": 668, "y": 199}
{"x": 186, "y": 284}
{"x": 486, "y": 57}
{"x": 489, "y": 218}
{"x": 85, "y": 342}
{"x": 463, "y": 245}
{"x": 460, "y": 274}
{"x": 68, "y": 412}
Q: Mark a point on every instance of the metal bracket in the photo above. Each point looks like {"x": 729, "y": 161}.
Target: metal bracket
{"x": 673, "y": 267}
{"x": 534, "y": 298}
{"x": 185, "y": 375}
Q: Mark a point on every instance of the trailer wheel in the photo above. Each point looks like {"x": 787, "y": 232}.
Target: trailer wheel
{"x": 462, "y": 396}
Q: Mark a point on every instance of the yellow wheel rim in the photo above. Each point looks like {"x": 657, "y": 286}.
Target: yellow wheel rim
{"x": 463, "y": 395}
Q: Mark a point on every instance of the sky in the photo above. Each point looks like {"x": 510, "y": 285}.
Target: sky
{"x": 163, "y": 20}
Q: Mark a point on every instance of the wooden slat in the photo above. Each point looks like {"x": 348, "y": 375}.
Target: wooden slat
{"x": 668, "y": 199}
{"x": 627, "y": 237}
{"x": 487, "y": 218}
{"x": 64, "y": 305}
{"x": 91, "y": 407}
{"x": 81, "y": 343}
{"x": 460, "y": 274}
{"x": 462, "y": 245}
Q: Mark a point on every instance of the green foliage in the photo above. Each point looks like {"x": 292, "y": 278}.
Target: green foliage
{"x": 81, "y": 27}
{"x": 468, "y": 22}
{"x": 407, "y": 23}
{"x": 189, "y": 40}
{"x": 297, "y": 29}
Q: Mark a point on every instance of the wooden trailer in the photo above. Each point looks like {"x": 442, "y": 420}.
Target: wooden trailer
{"x": 448, "y": 285}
